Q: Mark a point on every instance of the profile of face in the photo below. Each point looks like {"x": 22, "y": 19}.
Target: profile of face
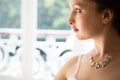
{"x": 84, "y": 19}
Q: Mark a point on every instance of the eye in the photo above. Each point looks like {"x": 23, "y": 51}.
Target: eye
{"x": 77, "y": 10}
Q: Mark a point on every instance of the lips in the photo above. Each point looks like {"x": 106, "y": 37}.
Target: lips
{"x": 75, "y": 30}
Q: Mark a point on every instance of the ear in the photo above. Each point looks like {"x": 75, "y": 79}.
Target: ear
{"x": 107, "y": 16}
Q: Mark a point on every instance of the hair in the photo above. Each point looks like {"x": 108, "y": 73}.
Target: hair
{"x": 114, "y": 5}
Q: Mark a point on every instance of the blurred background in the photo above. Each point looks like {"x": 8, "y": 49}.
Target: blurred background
{"x": 35, "y": 39}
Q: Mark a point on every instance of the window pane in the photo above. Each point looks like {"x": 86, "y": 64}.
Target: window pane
{"x": 53, "y": 14}
{"x": 9, "y": 13}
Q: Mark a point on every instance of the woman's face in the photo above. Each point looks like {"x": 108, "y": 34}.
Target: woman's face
{"x": 85, "y": 20}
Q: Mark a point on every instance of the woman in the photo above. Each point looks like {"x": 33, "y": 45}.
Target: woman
{"x": 98, "y": 20}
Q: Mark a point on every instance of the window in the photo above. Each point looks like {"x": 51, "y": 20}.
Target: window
{"x": 54, "y": 41}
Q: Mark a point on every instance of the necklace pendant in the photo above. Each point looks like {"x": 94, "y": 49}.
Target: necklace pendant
{"x": 102, "y": 66}
{"x": 97, "y": 65}
{"x": 92, "y": 64}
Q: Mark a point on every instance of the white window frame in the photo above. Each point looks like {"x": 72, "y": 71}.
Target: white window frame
{"x": 28, "y": 26}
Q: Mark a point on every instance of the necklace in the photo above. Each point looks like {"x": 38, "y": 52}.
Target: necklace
{"x": 100, "y": 64}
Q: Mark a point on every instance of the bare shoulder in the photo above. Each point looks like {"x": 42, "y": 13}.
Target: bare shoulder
{"x": 62, "y": 74}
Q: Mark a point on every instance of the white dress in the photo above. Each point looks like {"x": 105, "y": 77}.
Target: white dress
{"x": 76, "y": 70}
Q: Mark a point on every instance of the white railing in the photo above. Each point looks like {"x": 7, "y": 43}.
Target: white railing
{"x": 47, "y": 52}
{"x": 42, "y": 33}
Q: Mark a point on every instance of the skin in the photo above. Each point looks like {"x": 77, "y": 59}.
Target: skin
{"x": 88, "y": 23}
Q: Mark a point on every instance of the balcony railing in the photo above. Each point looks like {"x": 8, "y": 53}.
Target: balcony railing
{"x": 52, "y": 50}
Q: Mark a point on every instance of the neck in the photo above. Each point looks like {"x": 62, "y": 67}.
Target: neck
{"x": 107, "y": 44}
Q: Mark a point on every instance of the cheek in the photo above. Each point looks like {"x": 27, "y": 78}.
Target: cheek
{"x": 82, "y": 23}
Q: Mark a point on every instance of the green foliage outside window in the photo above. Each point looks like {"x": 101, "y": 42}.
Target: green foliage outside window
{"x": 52, "y": 14}
{"x": 9, "y": 13}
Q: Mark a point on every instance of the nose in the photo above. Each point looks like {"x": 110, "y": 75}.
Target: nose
{"x": 71, "y": 20}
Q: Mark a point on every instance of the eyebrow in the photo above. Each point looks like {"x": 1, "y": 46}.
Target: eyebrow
{"x": 78, "y": 3}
